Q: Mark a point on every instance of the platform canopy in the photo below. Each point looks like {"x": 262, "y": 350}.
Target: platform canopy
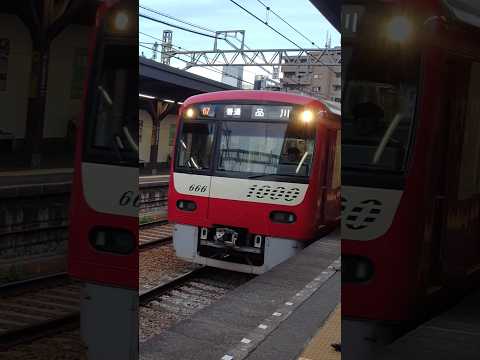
{"x": 330, "y": 9}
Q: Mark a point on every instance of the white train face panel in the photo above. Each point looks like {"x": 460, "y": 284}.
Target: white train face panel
{"x": 367, "y": 213}
{"x": 108, "y": 188}
{"x": 250, "y": 190}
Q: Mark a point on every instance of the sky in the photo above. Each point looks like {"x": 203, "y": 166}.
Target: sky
{"x": 219, "y": 15}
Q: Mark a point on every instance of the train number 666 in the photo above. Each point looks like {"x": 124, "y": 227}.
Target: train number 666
{"x": 129, "y": 198}
{"x": 198, "y": 188}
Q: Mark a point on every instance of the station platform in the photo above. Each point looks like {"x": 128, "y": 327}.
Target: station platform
{"x": 35, "y": 177}
{"x": 454, "y": 334}
{"x": 273, "y": 316}
{"x": 154, "y": 179}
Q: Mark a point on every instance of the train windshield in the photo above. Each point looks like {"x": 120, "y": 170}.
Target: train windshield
{"x": 112, "y": 124}
{"x": 265, "y": 149}
{"x": 380, "y": 89}
{"x": 238, "y": 144}
{"x": 195, "y": 145}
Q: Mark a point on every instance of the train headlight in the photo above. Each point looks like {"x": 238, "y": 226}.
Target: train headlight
{"x": 121, "y": 21}
{"x": 399, "y": 29}
{"x": 111, "y": 240}
{"x": 186, "y": 205}
{"x": 356, "y": 269}
{"x": 283, "y": 217}
{"x": 306, "y": 116}
{"x": 190, "y": 113}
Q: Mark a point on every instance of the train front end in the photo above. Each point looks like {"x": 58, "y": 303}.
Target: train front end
{"x": 103, "y": 244}
{"x": 246, "y": 190}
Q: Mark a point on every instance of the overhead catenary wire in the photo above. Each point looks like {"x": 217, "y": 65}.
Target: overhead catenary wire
{"x": 176, "y": 19}
{"x": 278, "y": 32}
{"x": 269, "y": 8}
{"x": 177, "y": 26}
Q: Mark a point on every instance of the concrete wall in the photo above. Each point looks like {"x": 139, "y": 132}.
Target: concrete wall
{"x": 61, "y": 107}
{"x": 33, "y": 230}
{"x": 13, "y": 101}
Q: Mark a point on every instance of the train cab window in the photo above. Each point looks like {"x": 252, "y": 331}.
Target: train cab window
{"x": 378, "y": 111}
{"x": 113, "y": 125}
{"x": 470, "y": 158}
{"x": 265, "y": 149}
{"x": 195, "y": 145}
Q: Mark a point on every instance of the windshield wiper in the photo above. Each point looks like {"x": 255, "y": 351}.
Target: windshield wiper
{"x": 266, "y": 175}
{"x": 260, "y": 176}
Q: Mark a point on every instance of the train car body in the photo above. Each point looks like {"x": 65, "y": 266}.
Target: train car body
{"x": 410, "y": 163}
{"x": 255, "y": 177}
{"x": 103, "y": 244}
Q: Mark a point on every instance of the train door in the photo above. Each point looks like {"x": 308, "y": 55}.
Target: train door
{"x": 452, "y": 243}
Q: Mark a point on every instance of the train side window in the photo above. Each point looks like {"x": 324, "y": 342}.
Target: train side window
{"x": 470, "y": 160}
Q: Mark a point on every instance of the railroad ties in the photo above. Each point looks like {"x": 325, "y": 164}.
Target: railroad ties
{"x": 36, "y": 308}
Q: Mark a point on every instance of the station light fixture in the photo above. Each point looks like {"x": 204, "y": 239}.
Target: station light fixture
{"x": 399, "y": 29}
{"x": 306, "y": 116}
{"x": 169, "y": 101}
{"x": 146, "y": 96}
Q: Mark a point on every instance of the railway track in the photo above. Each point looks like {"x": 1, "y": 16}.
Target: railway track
{"x": 155, "y": 233}
{"x": 38, "y": 308}
{"x": 166, "y": 304}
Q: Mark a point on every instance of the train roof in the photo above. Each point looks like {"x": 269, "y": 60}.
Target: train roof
{"x": 262, "y": 95}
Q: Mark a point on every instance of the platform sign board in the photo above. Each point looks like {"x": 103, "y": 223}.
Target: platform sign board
{"x": 4, "y": 54}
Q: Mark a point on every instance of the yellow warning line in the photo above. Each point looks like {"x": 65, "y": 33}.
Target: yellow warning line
{"x": 320, "y": 347}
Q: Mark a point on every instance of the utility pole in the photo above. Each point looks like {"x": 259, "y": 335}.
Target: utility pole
{"x": 166, "y": 47}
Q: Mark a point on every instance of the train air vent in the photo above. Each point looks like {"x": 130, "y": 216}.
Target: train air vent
{"x": 361, "y": 215}
{"x": 268, "y": 192}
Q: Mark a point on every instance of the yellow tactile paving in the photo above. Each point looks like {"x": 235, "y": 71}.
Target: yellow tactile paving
{"x": 320, "y": 347}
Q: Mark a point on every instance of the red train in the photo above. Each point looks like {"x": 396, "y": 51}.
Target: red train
{"x": 103, "y": 247}
{"x": 410, "y": 163}
{"x": 255, "y": 177}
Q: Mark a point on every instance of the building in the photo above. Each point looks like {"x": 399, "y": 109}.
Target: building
{"x": 316, "y": 80}
{"x": 233, "y": 76}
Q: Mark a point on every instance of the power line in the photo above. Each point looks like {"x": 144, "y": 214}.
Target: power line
{"x": 177, "y": 26}
{"x": 286, "y": 22}
{"x": 278, "y": 32}
{"x": 175, "y": 18}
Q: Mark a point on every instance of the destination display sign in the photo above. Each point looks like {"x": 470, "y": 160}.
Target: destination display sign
{"x": 252, "y": 112}
{"x": 271, "y": 112}
{"x": 207, "y": 111}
